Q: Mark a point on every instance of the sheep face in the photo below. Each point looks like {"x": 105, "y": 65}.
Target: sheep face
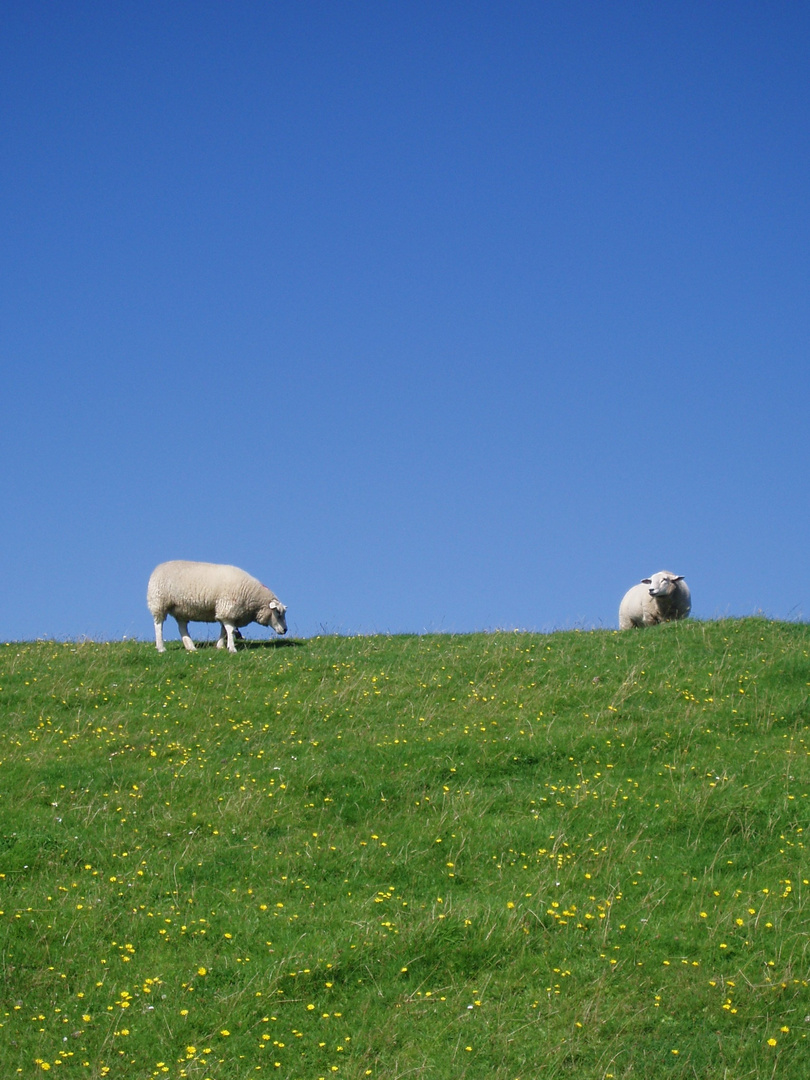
{"x": 662, "y": 584}
{"x": 273, "y": 614}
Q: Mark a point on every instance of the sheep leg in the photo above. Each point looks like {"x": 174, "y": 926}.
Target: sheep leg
{"x": 222, "y": 636}
{"x": 182, "y": 625}
{"x": 227, "y": 633}
{"x": 159, "y": 635}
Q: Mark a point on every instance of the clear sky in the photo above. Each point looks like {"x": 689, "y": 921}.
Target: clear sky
{"x": 433, "y": 316}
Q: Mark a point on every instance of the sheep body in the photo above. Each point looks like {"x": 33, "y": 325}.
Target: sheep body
{"x": 210, "y": 592}
{"x": 660, "y": 598}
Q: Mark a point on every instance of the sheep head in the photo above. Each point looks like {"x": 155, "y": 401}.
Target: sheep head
{"x": 662, "y": 584}
{"x": 274, "y": 614}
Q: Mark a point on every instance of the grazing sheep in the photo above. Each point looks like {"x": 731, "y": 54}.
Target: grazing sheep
{"x": 210, "y": 592}
{"x": 660, "y": 598}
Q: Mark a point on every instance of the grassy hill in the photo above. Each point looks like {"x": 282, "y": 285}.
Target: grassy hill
{"x": 505, "y": 855}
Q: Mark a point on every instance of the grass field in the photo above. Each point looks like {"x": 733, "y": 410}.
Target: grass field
{"x": 504, "y": 855}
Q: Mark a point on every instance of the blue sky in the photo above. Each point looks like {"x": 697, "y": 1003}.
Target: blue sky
{"x": 434, "y": 316}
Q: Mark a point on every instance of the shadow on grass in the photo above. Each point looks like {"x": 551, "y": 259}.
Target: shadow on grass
{"x": 273, "y": 643}
{"x": 241, "y": 645}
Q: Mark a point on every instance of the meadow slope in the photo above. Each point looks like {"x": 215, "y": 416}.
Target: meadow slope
{"x": 495, "y": 855}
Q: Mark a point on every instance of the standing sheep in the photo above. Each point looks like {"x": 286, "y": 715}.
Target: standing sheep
{"x": 660, "y": 598}
{"x": 210, "y": 592}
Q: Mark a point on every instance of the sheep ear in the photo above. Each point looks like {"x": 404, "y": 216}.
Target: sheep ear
{"x": 646, "y": 581}
{"x": 678, "y": 578}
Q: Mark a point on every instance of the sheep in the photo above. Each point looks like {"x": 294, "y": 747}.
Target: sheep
{"x": 210, "y": 592}
{"x": 660, "y": 598}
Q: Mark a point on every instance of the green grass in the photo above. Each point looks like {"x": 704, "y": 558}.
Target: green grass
{"x": 506, "y": 856}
